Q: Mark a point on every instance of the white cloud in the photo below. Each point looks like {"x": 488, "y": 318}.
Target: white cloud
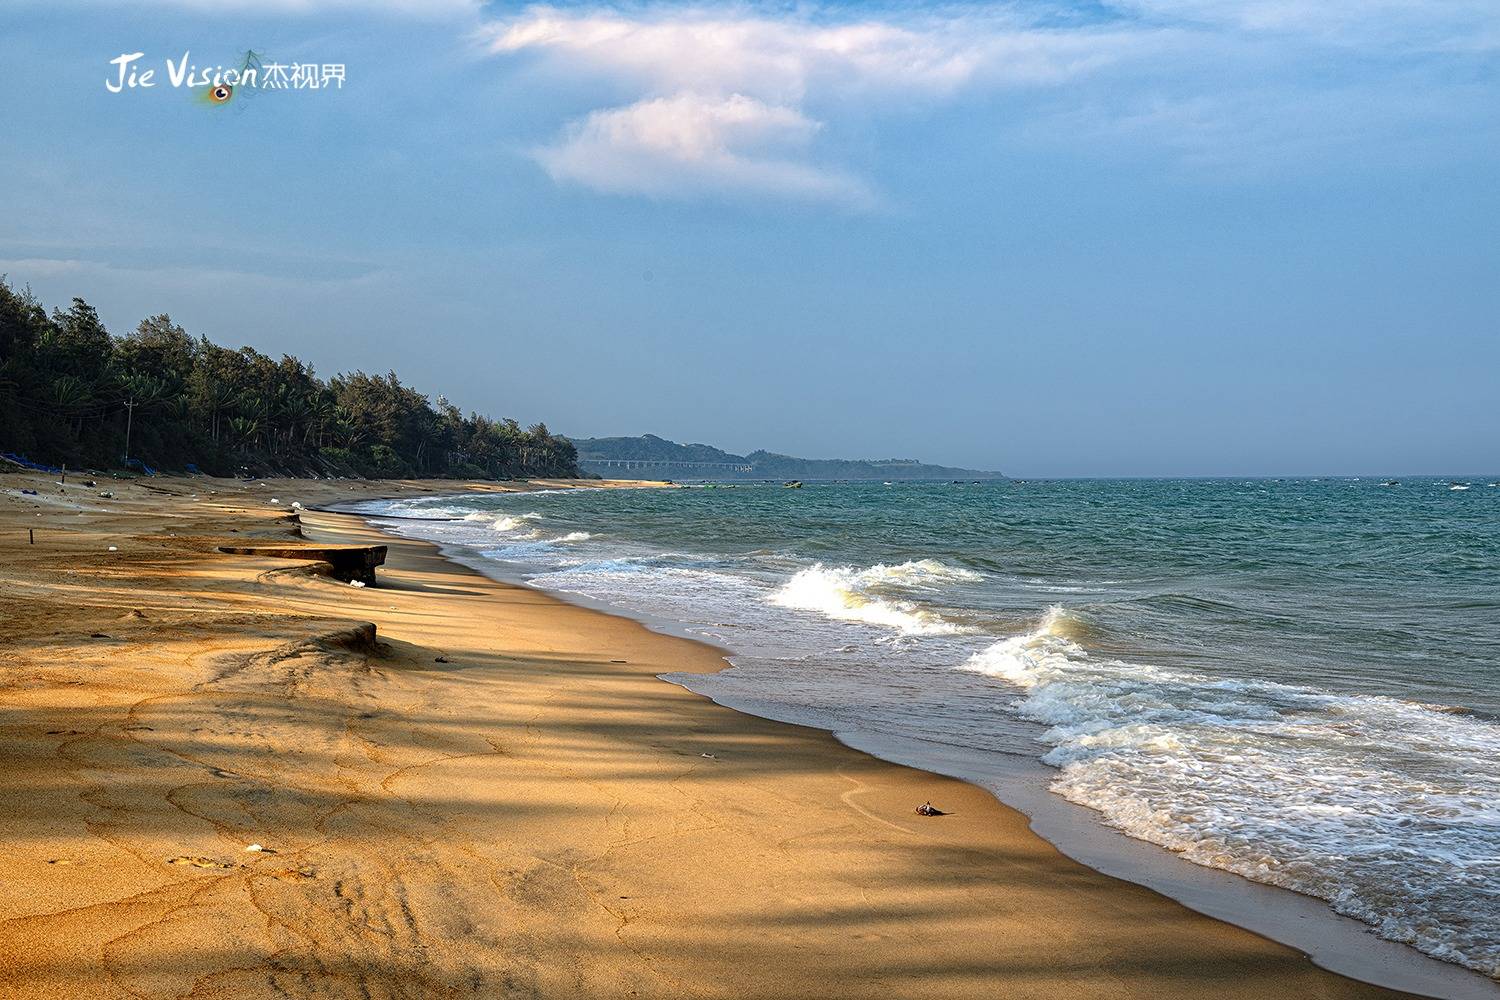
{"x": 689, "y": 145}
{"x": 781, "y": 58}
{"x": 723, "y": 99}
{"x": 703, "y": 101}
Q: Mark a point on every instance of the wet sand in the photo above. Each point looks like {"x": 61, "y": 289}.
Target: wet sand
{"x": 491, "y": 794}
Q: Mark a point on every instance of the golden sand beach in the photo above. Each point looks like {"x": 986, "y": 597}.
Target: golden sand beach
{"x": 218, "y": 780}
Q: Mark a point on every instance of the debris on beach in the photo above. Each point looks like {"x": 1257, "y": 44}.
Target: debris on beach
{"x": 356, "y": 583}
{"x": 114, "y": 548}
{"x": 928, "y": 809}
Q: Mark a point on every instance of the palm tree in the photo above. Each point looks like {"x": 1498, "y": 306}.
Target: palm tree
{"x": 73, "y": 396}
{"x": 217, "y": 397}
{"x": 244, "y": 430}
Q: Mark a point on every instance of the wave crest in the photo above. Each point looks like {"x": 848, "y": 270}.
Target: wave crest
{"x": 851, "y": 594}
{"x": 505, "y": 522}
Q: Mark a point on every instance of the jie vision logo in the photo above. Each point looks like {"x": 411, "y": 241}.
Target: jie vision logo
{"x": 220, "y": 84}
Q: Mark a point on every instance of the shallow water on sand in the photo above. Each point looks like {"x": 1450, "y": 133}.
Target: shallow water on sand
{"x": 1295, "y": 681}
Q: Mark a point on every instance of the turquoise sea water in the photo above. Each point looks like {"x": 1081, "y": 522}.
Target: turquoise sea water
{"x": 1296, "y": 681}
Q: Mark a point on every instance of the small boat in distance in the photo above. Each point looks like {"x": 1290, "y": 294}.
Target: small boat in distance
{"x": 793, "y": 484}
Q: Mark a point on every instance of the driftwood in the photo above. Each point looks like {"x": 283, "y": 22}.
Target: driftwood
{"x": 349, "y": 563}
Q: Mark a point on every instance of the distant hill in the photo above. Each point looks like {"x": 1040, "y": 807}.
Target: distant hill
{"x": 651, "y": 457}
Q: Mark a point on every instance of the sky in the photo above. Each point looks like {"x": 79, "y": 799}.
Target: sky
{"x": 1110, "y": 238}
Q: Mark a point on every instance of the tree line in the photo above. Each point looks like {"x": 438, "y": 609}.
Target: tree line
{"x": 72, "y": 394}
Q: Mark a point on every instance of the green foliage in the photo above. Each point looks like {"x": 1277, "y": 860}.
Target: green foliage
{"x": 70, "y": 393}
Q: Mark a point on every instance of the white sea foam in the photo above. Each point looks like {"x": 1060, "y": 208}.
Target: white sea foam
{"x": 919, "y": 572}
{"x": 505, "y": 522}
{"x": 416, "y": 510}
{"x": 678, "y": 592}
{"x": 1388, "y": 809}
{"x": 851, "y": 594}
{"x": 574, "y": 536}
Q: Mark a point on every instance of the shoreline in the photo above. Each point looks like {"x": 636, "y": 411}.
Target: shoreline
{"x": 1339, "y": 944}
{"x": 484, "y": 794}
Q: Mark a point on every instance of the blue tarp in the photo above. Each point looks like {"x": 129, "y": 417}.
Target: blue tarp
{"x": 27, "y": 463}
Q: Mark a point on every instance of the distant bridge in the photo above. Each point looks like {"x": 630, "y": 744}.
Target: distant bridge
{"x": 652, "y": 463}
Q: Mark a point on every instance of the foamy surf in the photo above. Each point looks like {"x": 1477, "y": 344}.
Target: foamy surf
{"x": 1371, "y": 803}
{"x": 918, "y": 572}
{"x": 505, "y": 522}
{"x": 850, "y": 594}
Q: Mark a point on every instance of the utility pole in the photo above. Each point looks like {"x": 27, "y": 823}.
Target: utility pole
{"x": 129, "y": 419}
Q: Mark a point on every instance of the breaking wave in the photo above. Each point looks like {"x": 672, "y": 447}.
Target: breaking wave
{"x": 851, "y": 594}
{"x": 1387, "y": 809}
{"x": 510, "y": 522}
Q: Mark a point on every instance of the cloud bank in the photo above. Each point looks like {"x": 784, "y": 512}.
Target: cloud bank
{"x": 781, "y": 57}
{"x": 759, "y": 101}
{"x": 748, "y": 101}
{"x": 725, "y": 100}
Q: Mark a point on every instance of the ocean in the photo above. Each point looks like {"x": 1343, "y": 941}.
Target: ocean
{"x": 1295, "y": 681}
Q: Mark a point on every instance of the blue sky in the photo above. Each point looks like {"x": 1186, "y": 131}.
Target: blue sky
{"x": 1146, "y": 237}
